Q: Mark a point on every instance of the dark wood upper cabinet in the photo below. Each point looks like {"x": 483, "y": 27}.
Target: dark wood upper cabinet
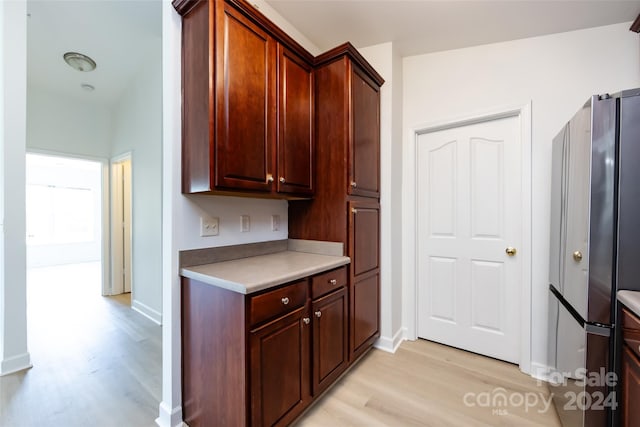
{"x": 295, "y": 136}
{"x": 364, "y": 144}
{"x": 247, "y": 103}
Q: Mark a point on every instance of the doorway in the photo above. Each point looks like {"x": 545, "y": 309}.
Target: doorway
{"x": 64, "y": 210}
{"x": 447, "y": 203}
{"x": 121, "y": 225}
{"x": 469, "y": 202}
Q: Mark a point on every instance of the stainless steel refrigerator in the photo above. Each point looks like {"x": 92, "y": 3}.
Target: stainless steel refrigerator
{"x": 594, "y": 251}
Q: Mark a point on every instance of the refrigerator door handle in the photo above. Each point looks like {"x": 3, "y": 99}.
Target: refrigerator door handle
{"x": 590, "y": 328}
{"x": 567, "y": 305}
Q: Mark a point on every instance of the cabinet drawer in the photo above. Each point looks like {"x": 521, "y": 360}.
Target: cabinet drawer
{"x": 277, "y": 302}
{"x": 328, "y": 282}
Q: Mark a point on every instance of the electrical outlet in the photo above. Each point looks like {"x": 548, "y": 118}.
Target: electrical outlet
{"x": 244, "y": 223}
{"x": 209, "y": 226}
{"x": 275, "y": 222}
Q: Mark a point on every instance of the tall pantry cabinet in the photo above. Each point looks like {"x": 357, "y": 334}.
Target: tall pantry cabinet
{"x": 346, "y": 204}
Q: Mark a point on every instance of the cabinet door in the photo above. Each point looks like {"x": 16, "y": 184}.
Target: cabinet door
{"x": 245, "y": 103}
{"x": 364, "y": 293}
{"x": 279, "y": 369}
{"x": 364, "y": 236}
{"x": 630, "y": 388}
{"x": 329, "y": 317}
{"x": 364, "y": 144}
{"x": 365, "y": 313}
{"x": 295, "y": 137}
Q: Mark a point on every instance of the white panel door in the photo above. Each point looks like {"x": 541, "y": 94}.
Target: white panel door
{"x": 469, "y": 213}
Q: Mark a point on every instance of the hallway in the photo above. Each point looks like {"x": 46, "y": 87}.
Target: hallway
{"x": 95, "y": 361}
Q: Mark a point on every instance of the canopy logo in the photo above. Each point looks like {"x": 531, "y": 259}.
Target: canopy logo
{"x": 499, "y": 400}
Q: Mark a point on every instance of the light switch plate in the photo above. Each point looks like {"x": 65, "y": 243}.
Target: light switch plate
{"x": 275, "y": 222}
{"x": 244, "y": 223}
{"x": 209, "y": 226}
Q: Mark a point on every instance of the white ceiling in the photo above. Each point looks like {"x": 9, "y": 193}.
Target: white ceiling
{"x": 421, "y": 26}
{"x": 118, "y": 34}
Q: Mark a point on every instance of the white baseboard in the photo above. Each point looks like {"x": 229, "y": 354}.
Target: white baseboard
{"x": 390, "y": 345}
{"x": 169, "y": 417}
{"x": 147, "y": 311}
{"x": 15, "y": 364}
{"x": 540, "y": 371}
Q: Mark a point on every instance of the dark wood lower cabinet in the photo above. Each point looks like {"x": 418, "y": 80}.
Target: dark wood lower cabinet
{"x": 364, "y": 249}
{"x": 330, "y": 355}
{"x": 213, "y": 354}
{"x": 365, "y": 313}
{"x": 280, "y": 369}
{"x": 630, "y": 388}
{"x": 259, "y": 360}
{"x": 630, "y": 370}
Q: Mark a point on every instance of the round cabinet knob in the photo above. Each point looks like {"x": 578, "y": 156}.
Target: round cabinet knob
{"x": 285, "y": 300}
{"x": 353, "y": 184}
{"x": 306, "y": 320}
{"x": 510, "y": 251}
{"x": 333, "y": 281}
{"x": 269, "y": 177}
{"x": 282, "y": 180}
{"x": 318, "y": 313}
{"x": 577, "y": 256}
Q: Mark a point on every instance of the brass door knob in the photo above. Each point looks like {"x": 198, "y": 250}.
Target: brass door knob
{"x": 510, "y": 251}
{"x": 577, "y": 256}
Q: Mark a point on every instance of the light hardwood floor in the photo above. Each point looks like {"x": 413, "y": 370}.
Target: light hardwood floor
{"x": 425, "y": 384}
{"x": 97, "y": 363}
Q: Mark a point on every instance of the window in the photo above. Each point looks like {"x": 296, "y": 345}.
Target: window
{"x": 62, "y": 200}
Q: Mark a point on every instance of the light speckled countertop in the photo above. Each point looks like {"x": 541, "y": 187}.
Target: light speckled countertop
{"x": 252, "y": 274}
{"x": 631, "y": 300}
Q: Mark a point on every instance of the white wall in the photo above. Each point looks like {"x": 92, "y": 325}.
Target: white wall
{"x": 137, "y": 128}
{"x": 181, "y": 214}
{"x": 557, "y": 73}
{"x": 286, "y": 26}
{"x": 387, "y": 62}
{"x": 66, "y": 126}
{"x": 14, "y": 355}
